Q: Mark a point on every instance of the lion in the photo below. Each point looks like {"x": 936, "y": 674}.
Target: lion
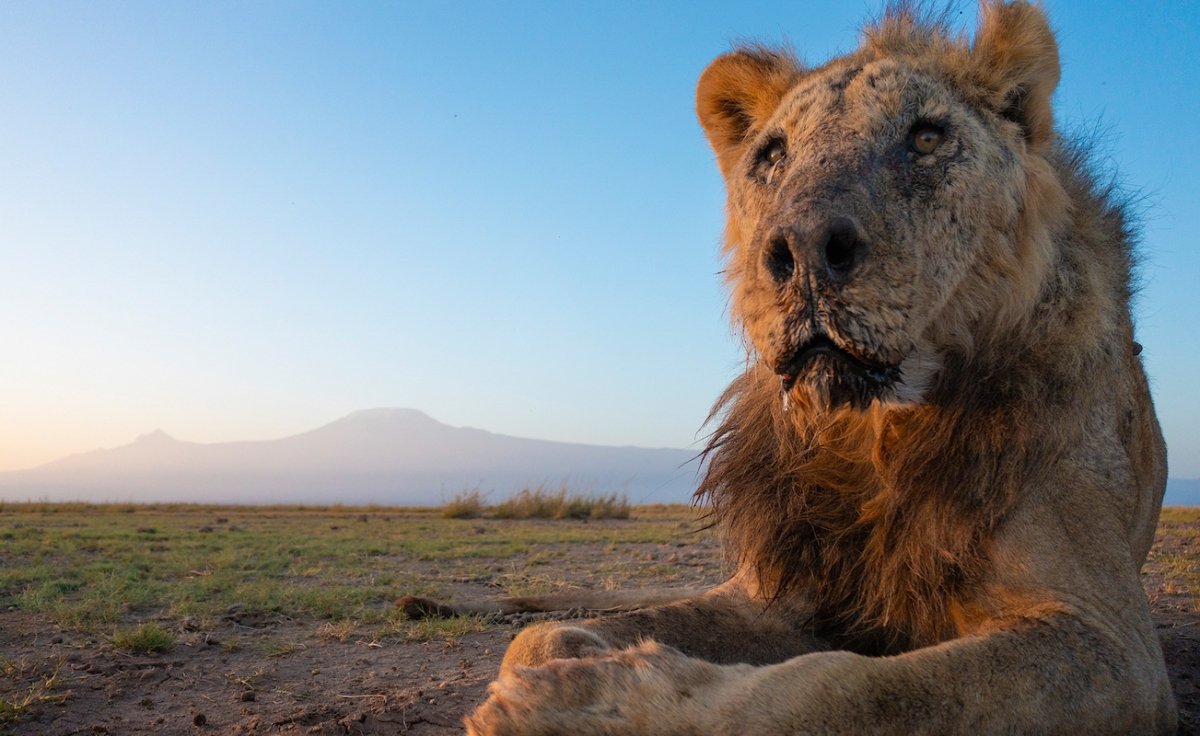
{"x": 941, "y": 471}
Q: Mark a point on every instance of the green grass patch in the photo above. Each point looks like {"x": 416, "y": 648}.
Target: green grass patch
{"x": 430, "y": 629}
{"x": 97, "y": 569}
{"x": 149, "y": 638}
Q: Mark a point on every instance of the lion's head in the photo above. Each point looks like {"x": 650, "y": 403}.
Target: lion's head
{"x": 887, "y": 207}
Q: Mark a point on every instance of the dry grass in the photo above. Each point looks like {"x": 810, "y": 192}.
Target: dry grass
{"x": 465, "y": 505}
{"x": 337, "y": 630}
{"x": 541, "y": 503}
{"x": 43, "y": 689}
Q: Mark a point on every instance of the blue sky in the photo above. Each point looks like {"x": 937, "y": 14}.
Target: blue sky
{"x": 242, "y": 220}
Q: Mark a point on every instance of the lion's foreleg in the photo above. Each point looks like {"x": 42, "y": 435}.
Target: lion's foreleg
{"x": 723, "y": 626}
{"x": 1051, "y": 676}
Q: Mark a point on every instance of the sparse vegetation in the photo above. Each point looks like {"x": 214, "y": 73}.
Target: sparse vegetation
{"x": 275, "y": 589}
{"x": 98, "y": 568}
{"x": 43, "y": 690}
{"x": 249, "y": 680}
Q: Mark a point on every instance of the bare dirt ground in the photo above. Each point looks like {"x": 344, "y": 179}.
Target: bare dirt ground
{"x": 316, "y": 684}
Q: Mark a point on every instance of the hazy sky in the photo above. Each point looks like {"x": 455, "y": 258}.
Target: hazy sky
{"x": 243, "y": 220}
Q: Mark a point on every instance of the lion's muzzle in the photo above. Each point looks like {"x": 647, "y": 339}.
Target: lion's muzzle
{"x": 838, "y": 375}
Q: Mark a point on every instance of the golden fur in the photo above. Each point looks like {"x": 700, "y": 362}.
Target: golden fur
{"x": 940, "y": 472}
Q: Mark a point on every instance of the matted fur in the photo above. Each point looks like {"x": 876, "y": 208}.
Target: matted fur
{"x": 943, "y": 448}
{"x": 886, "y": 515}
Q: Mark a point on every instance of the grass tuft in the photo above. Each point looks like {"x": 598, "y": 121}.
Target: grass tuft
{"x": 337, "y": 631}
{"x": 439, "y": 629}
{"x": 145, "y": 639}
{"x": 277, "y": 648}
{"x": 541, "y": 503}
{"x": 465, "y": 505}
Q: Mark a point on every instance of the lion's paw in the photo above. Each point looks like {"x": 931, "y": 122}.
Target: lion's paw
{"x": 642, "y": 690}
{"x": 540, "y": 644}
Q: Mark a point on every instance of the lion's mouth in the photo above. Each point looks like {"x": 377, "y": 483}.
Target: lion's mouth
{"x": 842, "y": 376}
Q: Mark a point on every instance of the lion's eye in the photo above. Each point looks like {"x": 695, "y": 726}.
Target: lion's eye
{"x": 773, "y": 153}
{"x": 766, "y": 161}
{"x": 925, "y": 138}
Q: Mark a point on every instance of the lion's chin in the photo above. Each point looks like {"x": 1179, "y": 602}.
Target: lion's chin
{"x": 836, "y": 377}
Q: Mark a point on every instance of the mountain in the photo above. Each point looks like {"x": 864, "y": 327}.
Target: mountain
{"x": 385, "y": 456}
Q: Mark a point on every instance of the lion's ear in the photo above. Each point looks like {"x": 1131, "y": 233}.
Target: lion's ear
{"x": 736, "y": 95}
{"x": 1016, "y": 58}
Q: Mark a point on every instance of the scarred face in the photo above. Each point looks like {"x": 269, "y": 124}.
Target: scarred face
{"x": 862, "y": 196}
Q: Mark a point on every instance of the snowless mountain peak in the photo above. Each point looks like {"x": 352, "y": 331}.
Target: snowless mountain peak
{"x": 392, "y": 456}
{"x": 388, "y": 416}
{"x": 157, "y": 437}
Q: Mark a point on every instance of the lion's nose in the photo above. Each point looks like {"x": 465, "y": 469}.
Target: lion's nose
{"x": 779, "y": 259}
{"x": 842, "y": 249}
{"x": 832, "y": 250}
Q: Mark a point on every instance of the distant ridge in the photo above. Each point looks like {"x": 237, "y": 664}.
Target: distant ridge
{"x": 385, "y": 456}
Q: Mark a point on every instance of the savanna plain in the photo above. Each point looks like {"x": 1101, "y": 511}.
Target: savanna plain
{"x": 186, "y": 619}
